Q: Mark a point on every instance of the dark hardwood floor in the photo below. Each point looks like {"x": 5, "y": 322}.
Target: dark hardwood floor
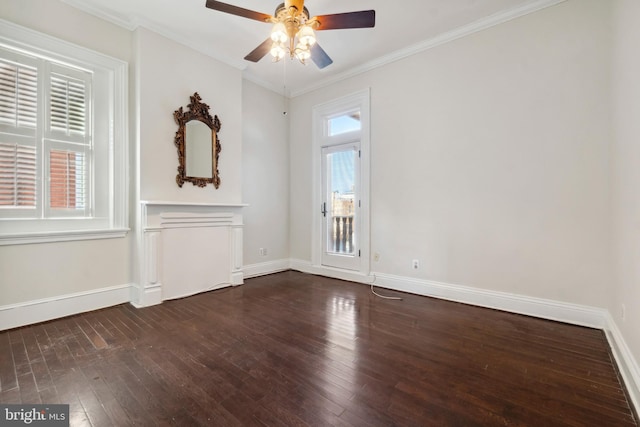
{"x": 292, "y": 349}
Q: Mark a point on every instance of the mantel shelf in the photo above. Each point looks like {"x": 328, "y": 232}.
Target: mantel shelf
{"x": 213, "y": 205}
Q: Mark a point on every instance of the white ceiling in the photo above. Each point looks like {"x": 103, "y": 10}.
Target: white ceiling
{"x": 399, "y": 31}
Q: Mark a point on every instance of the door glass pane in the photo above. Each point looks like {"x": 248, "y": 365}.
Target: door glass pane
{"x": 344, "y": 123}
{"x": 340, "y": 211}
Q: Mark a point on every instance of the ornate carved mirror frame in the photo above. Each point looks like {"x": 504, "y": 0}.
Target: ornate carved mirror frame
{"x": 197, "y": 110}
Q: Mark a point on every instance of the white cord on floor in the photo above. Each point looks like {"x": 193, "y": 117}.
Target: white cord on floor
{"x": 382, "y": 296}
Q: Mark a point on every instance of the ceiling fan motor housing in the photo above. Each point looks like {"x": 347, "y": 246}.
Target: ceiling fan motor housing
{"x": 292, "y": 17}
{"x": 283, "y": 12}
{"x": 298, "y": 4}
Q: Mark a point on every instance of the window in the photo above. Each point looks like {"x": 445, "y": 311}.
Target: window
{"x": 63, "y": 140}
{"x": 343, "y": 123}
{"x": 26, "y": 135}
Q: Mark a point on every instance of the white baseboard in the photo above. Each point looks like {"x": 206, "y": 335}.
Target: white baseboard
{"x": 264, "y": 268}
{"x": 237, "y": 278}
{"x": 536, "y": 307}
{"x": 146, "y": 296}
{"x": 627, "y": 365}
{"x": 335, "y": 273}
{"x": 30, "y": 312}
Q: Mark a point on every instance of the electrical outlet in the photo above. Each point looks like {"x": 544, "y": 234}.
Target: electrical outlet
{"x": 262, "y": 251}
{"x": 416, "y": 264}
{"x": 376, "y": 257}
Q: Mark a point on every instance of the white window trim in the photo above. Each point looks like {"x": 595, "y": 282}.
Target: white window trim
{"x": 321, "y": 113}
{"x": 115, "y": 223}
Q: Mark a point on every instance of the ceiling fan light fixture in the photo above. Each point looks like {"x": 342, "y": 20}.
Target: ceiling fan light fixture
{"x": 278, "y": 51}
{"x": 306, "y": 36}
{"x": 302, "y": 52}
{"x": 279, "y": 33}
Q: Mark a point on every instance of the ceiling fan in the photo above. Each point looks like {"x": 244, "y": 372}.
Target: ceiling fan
{"x": 293, "y": 30}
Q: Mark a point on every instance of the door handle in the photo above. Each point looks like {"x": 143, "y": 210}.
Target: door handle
{"x": 323, "y": 209}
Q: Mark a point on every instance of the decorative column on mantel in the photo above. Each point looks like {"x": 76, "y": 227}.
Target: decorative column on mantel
{"x": 187, "y": 248}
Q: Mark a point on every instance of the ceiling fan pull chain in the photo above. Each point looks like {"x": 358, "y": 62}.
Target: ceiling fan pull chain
{"x": 284, "y": 87}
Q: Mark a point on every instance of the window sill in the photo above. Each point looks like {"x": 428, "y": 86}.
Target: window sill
{"x": 61, "y": 236}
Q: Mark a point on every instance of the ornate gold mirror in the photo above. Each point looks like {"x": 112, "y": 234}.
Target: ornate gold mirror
{"x": 198, "y": 144}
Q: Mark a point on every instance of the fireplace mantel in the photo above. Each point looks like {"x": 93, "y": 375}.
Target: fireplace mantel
{"x": 185, "y": 248}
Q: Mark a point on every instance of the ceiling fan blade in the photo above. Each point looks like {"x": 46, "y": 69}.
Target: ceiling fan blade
{"x": 337, "y": 21}
{"x": 258, "y": 53}
{"x": 238, "y": 11}
{"x": 320, "y": 57}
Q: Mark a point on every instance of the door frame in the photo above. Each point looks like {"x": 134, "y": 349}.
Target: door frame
{"x": 321, "y": 114}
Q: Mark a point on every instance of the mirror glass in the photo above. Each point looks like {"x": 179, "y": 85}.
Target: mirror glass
{"x": 199, "y": 149}
{"x": 198, "y": 144}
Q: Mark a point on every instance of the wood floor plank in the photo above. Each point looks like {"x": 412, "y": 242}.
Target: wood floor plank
{"x": 8, "y": 376}
{"x": 292, "y": 349}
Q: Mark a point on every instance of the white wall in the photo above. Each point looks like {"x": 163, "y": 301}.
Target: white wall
{"x": 490, "y": 158}
{"x": 163, "y": 76}
{"x": 67, "y": 23}
{"x": 504, "y": 161}
{"x": 625, "y": 287}
{"x": 266, "y": 175}
{"x": 167, "y": 74}
{"x": 39, "y": 271}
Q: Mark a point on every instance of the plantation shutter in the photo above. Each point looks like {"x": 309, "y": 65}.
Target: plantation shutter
{"x": 68, "y": 105}
{"x": 17, "y": 176}
{"x": 69, "y": 142}
{"x": 18, "y": 95}
{"x": 18, "y": 120}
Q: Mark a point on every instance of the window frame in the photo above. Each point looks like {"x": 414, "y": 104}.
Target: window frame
{"x": 109, "y": 130}
{"x": 66, "y": 141}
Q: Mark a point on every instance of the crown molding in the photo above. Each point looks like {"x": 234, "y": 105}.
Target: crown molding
{"x": 465, "y": 30}
{"x": 132, "y": 24}
{"x": 204, "y": 48}
{"x": 265, "y": 84}
{"x": 119, "y": 20}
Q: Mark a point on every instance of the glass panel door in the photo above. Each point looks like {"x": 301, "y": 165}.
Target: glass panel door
{"x": 340, "y": 167}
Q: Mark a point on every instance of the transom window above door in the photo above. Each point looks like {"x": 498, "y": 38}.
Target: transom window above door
{"x": 344, "y": 123}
